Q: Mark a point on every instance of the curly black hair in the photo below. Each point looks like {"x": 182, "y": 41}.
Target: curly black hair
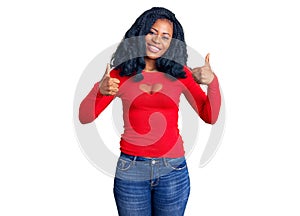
{"x": 130, "y": 53}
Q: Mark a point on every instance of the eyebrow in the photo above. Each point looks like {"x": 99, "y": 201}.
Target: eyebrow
{"x": 163, "y": 32}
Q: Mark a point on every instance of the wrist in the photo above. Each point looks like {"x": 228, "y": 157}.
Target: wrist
{"x": 211, "y": 79}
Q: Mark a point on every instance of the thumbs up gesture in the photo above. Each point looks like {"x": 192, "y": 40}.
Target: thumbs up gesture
{"x": 203, "y": 75}
{"x": 108, "y": 85}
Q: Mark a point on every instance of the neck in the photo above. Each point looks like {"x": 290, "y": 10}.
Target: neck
{"x": 150, "y": 64}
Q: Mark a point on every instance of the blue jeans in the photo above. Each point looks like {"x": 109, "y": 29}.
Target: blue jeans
{"x": 151, "y": 186}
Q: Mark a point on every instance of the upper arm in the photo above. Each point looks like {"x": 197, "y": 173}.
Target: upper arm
{"x": 197, "y": 98}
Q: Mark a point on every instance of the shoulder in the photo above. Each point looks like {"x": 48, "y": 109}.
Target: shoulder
{"x": 188, "y": 73}
{"x": 115, "y": 73}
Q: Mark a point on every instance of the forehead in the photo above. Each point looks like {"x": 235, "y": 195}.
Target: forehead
{"x": 163, "y": 25}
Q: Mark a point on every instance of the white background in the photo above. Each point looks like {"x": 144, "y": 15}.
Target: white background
{"x": 46, "y": 45}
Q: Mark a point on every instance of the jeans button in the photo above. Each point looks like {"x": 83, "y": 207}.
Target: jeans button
{"x": 153, "y": 162}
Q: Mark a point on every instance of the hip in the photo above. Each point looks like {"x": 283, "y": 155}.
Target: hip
{"x": 136, "y": 168}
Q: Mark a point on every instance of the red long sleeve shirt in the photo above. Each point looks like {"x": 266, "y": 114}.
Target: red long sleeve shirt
{"x": 150, "y": 111}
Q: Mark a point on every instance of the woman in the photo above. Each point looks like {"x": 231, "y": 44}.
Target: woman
{"x": 149, "y": 75}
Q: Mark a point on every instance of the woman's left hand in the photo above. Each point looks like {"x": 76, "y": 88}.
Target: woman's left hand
{"x": 203, "y": 75}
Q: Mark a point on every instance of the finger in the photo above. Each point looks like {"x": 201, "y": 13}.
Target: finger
{"x": 114, "y": 85}
{"x": 108, "y": 69}
{"x": 195, "y": 70}
{"x": 115, "y": 80}
{"x": 207, "y": 58}
{"x": 112, "y": 90}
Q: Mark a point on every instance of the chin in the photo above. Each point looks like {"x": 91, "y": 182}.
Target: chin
{"x": 152, "y": 56}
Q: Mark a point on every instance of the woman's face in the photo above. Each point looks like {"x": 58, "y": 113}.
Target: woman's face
{"x": 159, "y": 38}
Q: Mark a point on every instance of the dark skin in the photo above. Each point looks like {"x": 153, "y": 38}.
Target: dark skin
{"x": 157, "y": 42}
{"x": 203, "y": 75}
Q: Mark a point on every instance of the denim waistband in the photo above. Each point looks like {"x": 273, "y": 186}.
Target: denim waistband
{"x": 136, "y": 158}
{"x": 140, "y": 158}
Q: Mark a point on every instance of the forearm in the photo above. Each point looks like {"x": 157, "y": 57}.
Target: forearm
{"x": 93, "y": 104}
{"x": 214, "y": 100}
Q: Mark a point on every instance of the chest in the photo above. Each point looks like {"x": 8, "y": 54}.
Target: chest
{"x": 151, "y": 93}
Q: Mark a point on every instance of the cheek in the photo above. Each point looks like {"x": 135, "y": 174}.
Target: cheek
{"x": 147, "y": 38}
{"x": 166, "y": 44}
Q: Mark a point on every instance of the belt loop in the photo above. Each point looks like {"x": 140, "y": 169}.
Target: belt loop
{"x": 134, "y": 160}
{"x": 165, "y": 161}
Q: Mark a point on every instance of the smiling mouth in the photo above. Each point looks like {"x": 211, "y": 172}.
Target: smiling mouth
{"x": 153, "y": 48}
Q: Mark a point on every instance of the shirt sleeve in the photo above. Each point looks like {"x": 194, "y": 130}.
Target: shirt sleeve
{"x": 93, "y": 104}
{"x": 206, "y": 105}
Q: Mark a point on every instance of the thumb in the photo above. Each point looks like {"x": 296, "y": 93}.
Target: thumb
{"x": 207, "y": 58}
{"x": 108, "y": 69}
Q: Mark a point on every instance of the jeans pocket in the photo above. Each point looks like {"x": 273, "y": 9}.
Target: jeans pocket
{"x": 124, "y": 164}
{"x": 177, "y": 164}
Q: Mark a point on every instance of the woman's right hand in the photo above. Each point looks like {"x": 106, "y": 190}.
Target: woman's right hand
{"x": 108, "y": 86}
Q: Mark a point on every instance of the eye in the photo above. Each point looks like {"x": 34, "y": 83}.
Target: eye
{"x": 151, "y": 32}
{"x": 165, "y": 38}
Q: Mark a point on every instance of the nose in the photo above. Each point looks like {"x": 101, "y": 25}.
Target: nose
{"x": 156, "y": 39}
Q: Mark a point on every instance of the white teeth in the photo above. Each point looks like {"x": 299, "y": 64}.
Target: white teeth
{"x": 153, "y": 49}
